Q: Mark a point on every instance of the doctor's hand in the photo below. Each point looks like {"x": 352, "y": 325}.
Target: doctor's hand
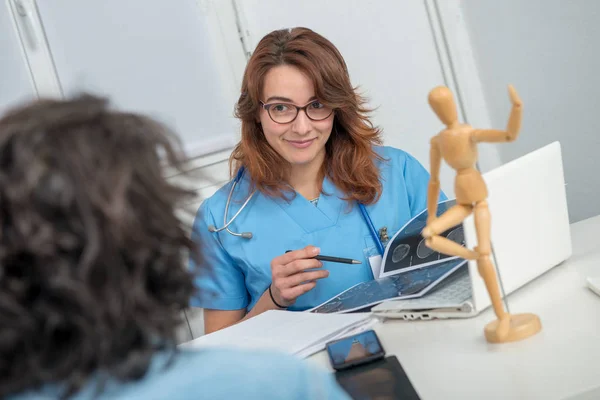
{"x": 290, "y": 278}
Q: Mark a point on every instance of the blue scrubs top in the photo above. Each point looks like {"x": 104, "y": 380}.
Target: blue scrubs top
{"x": 214, "y": 374}
{"x": 235, "y": 272}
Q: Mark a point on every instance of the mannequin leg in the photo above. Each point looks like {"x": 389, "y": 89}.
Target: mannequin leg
{"x": 450, "y": 218}
{"x": 486, "y": 268}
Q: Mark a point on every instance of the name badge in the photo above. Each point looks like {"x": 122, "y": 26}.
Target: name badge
{"x": 375, "y": 262}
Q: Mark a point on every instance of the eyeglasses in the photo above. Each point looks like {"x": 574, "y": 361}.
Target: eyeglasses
{"x": 284, "y": 113}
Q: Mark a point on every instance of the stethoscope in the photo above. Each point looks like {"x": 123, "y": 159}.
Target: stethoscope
{"x": 377, "y": 237}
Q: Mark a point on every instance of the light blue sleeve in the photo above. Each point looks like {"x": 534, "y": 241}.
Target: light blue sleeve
{"x": 417, "y": 181}
{"x": 219, "y": 281}
{"x": 319, "y": 384}
{"x": 221, "y": 373}
{"x": 265, "y": 375}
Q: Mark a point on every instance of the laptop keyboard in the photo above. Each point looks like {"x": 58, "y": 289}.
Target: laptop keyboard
{"x": 453, "y": 292}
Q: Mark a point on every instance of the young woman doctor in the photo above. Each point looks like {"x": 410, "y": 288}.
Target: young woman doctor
{"x": 311, "y": 177}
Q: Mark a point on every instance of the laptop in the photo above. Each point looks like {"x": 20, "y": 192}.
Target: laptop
{"x": 530, "y": 234}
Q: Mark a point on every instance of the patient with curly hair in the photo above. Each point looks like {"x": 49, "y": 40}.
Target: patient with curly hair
{"x": 92, "y": 281}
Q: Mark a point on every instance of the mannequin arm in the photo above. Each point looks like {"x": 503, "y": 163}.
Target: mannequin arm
{"x": 514, "y": 124}
{"x": 433, "y": 190}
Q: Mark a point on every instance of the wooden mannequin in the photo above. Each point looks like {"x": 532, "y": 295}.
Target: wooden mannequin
{"x": 457, "y": 145}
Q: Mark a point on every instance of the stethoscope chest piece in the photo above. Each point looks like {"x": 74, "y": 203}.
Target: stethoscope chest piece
{"x": 245, "y": 235}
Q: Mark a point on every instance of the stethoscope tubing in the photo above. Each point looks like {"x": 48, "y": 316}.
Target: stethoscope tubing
{"x": 248, "y": 235}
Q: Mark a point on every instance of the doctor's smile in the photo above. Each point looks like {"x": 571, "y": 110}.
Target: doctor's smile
{"x": 300, "y": 144}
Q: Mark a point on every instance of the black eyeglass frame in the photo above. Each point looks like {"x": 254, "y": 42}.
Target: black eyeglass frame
{"x": 267, "y": 107}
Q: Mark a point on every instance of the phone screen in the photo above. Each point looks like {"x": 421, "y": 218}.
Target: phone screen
{"x": 355, "y": 350}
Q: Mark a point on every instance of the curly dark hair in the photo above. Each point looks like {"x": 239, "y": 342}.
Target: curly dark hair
{"x": 92, "y": 251}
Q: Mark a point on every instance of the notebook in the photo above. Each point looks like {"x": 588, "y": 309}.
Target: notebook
{"x": 298, "y": 333}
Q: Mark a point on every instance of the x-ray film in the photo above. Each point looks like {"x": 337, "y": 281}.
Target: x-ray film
{"x": 404, "y": 285}
{"x": 407, "y": 250}
{"x": 410, "y": 268}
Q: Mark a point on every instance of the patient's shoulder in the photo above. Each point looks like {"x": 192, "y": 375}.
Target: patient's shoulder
{"x": 221, "y": 373}
{"x": 213, "y": 374}
{"x": 264, "y": 375}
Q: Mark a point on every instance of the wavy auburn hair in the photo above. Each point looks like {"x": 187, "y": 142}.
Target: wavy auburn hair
{"x": 350, "y": 157}
{"x": 92, "y": 279}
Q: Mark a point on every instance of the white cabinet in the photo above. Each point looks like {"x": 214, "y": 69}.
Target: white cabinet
{"x": 165, "y": 58}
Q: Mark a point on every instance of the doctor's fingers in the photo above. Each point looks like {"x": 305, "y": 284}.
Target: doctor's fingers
{"x": 291, "y": 294}
{"x": 298, "y": 266}
{"x": 297, "y": 279}
{"x": 289, "y": 256}
{"x": 284, "y": 269}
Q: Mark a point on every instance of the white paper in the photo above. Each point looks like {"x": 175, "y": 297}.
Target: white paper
{"x": 286, "y": 331}
{"x": 362, "y": 327}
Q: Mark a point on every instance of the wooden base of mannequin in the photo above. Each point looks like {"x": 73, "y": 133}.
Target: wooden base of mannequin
{"x": 522, "y": 326}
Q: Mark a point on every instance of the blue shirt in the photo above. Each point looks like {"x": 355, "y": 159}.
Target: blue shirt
{"x": 217, "y": 374}
{"x": 236, "y": 271}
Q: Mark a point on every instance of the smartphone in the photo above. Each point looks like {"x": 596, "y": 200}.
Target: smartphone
{"x": 355, "y": 350}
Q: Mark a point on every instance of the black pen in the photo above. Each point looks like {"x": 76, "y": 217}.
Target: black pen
{"x": 334, "y": 259}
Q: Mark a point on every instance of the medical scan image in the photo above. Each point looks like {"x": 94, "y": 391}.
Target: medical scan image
{"x": 409, "y": 284}
{"x": 407, "y": 249}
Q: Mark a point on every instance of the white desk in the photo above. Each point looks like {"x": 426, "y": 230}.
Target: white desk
{"x": 450, "y": 359}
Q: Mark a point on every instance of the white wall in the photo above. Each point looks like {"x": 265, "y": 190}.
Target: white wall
{"x": 549, "y": 50}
